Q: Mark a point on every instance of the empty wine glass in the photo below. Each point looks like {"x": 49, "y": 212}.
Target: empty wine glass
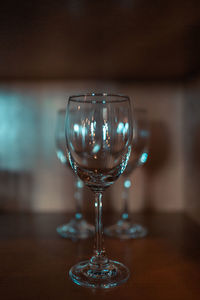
{"x": 125, "y": 228}
{"x": 99, "y": 135}
{"x": 77, "y": 227}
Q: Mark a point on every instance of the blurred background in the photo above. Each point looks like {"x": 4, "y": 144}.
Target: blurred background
{"x": 148, "y": 50}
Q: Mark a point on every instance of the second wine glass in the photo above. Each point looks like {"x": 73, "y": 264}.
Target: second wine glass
{"x": 77, "y": 227}
{"x": 126, "y": 228}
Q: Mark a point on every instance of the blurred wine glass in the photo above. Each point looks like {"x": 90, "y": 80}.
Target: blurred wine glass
{"x": 77, "y": 227}
{"x": 126, "y": 228}
{"x": 99, "y": 135}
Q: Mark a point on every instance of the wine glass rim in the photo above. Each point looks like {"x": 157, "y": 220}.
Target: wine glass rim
{"x": 84, "y": 98}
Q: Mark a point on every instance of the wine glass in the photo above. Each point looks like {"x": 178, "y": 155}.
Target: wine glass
{"x": 99, "y": 134}
{"x": 77, "y": 227}
{"x": 125, "y": 228}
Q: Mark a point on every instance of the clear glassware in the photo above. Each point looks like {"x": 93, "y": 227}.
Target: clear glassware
{"x": 125, "y": 228}
{"x": 99, "y": 135}
{"x": 77, "y": 227}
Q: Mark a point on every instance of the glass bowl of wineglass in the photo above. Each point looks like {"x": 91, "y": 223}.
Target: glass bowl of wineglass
{"x": 77, "y": 227}
{"x": 99, "y": 132}
{"x": 126, "y": 228}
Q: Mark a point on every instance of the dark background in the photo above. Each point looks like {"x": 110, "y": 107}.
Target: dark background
{"x": 113, "y": 39}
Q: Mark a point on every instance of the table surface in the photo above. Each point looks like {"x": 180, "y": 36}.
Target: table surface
{"x": 34, "y": 260}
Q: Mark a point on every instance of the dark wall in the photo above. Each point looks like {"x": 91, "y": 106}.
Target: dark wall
{"x": 113, "y": 39}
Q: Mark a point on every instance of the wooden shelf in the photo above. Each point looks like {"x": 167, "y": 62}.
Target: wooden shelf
{"x": 35, "y": 260}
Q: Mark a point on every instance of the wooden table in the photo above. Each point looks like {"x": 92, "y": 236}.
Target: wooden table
{"x": 34, "y": 260}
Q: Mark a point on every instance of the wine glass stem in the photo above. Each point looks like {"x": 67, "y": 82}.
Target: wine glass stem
{"x": 125, "y": 198}
{"x": 99, "y": 259}
{"x": 98, "y": 224}
{"x": 78, "y": 198}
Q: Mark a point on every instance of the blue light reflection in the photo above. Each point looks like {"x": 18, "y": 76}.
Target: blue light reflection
{"x": 127, "y": 183}
{"x": 61, "y": 156}
{"x": 122, "y": 128}
{"x": 76, "y": 128}
{"x": 143, "y": 157}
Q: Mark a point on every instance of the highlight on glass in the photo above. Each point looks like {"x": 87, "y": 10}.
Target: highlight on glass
{"x": 99, "y": 135}
{"x": 126, "y": 228}
{"x": 77, "y": 227}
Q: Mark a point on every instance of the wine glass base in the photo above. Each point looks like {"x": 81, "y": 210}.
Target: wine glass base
{"x": 125, "y": 229}
{"x": 106, "y": 276}
{"x": 76, "y": 229}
